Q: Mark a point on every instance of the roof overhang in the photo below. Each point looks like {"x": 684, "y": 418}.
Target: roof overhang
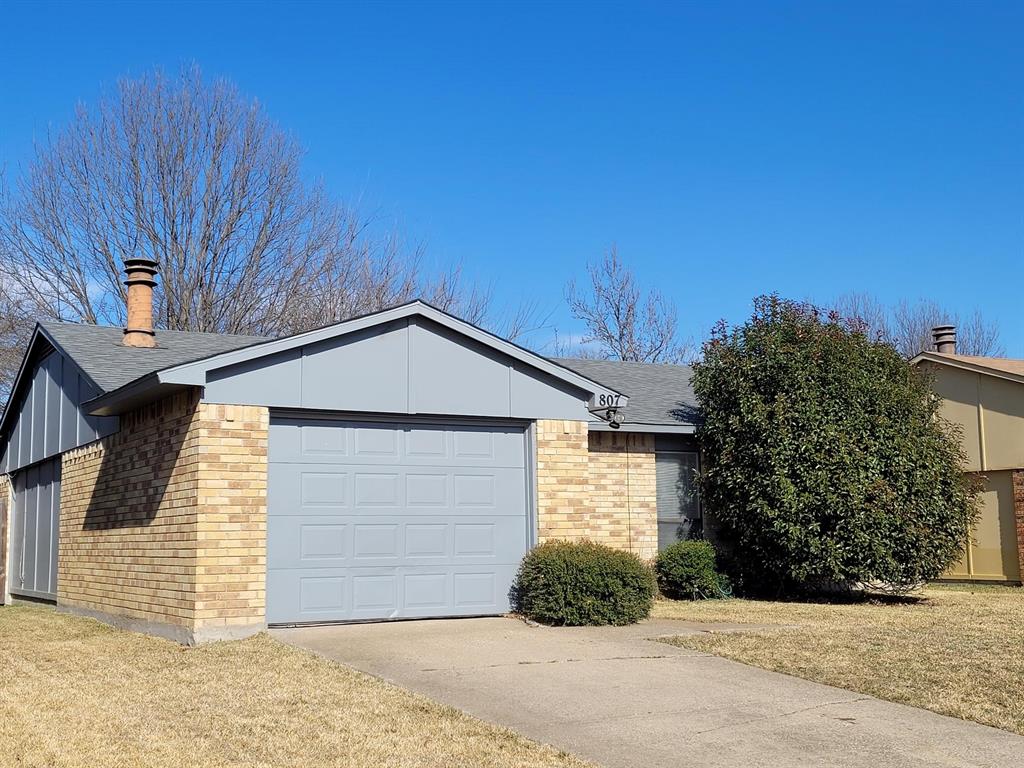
{"x": 195, "y": 373}
{"x": 966, "y": 365}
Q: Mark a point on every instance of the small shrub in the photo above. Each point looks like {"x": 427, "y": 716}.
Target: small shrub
{"x": 686, "y": 570}
{"x": 583, "y": 583}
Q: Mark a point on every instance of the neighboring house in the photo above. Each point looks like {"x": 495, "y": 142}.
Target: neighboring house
{"x": 984, "y": 396}
{"x": 395, "y": 465}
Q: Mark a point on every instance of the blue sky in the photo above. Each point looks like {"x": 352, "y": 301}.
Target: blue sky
{"x": 728, "y": 148}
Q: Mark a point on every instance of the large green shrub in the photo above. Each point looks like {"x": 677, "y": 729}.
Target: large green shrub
{"x": 826, "y": 461}
{"x": 583, "y": 583}
{"x": 687, "y": 570}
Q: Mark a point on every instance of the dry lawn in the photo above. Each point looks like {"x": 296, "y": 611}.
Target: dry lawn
{"x": 74, "y": 692}
{"x": 957, "y": 650}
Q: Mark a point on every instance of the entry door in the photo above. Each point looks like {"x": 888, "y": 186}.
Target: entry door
{"x": 372, "y": 520}
{"x": 34, "y": 531}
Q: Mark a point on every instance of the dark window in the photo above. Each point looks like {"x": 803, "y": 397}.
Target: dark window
{"x": 678, "y": 502}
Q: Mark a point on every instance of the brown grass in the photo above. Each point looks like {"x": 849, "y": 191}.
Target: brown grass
{"x": 957, "y": 650}
{"x": 74, "y": 692}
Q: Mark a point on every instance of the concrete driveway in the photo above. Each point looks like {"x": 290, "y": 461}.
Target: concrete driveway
{"x": 611, "y": 695}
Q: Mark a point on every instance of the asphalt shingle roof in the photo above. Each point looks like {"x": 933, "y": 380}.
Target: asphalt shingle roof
{"x": 98, "y": 350}
{"x": 658, "y": 394}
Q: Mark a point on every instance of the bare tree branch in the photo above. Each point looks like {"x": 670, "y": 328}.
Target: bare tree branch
{"x": 195, "y": 176}
{"x": 621, "y": 322}
{"x": 908, "y": 326}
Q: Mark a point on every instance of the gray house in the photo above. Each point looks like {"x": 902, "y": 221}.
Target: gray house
{"x": 394, "y": 465}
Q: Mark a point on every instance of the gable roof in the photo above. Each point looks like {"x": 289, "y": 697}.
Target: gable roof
{"x": 1001, "y": 367}
{"x": 128, "y": 376}
{"x": 662, "y": 395}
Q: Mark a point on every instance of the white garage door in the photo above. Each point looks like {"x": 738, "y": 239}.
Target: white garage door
{"x": 374, "y": 520}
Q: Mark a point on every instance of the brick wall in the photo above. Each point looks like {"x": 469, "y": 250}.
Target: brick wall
{"x": 1018, "y": 510}
{"x": 562, "y": 480}
{"x": 623, "y": 491}
{"x": 164, "y": 522}
{"x": 598, "y": 486}
{"x": 231, "y": 546}
{"x": 128, "y": 517}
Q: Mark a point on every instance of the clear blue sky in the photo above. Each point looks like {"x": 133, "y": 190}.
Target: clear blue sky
{"x": 730, "y": 149}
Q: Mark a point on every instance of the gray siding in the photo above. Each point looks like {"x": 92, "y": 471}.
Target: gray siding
{"x": 34, "y": 531}
{"x": 50, "y": 419}
{"x": 409, "y": 366}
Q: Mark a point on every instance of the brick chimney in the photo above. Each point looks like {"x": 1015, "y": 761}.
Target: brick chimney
{"x": 944, "y": 339}
{"x": 141, "y": 279}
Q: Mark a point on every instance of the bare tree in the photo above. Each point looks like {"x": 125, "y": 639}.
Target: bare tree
{"x": 913, "y": 323}
{"x": 622, "y": 323}
{"x": 197, "y": 177}
{"x": 868, "y": 311}
{"x": 908, "y": 326}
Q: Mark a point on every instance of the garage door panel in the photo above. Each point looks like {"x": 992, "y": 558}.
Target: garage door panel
{"x": 298, "y": 489}
{"x": 370, "y": 520}
{"x": 353, "y": 442}
{"x": 356, "y": 594}
{"x": 304, "y": 541}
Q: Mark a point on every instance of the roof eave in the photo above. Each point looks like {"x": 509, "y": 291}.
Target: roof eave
{"x": 936, "y": 357}
{"x": 132, "y": 395}
{"x": 673, "y": 429}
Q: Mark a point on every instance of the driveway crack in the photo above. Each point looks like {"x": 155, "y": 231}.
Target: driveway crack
{"x": 527, "y": 663}
{"x": 782, "y": 714}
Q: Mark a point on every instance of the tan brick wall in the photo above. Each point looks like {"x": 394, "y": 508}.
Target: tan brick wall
{"x": 623, "y": 491}
{"x": 598, "y": 486}
{"x": 562, "y": 480}
{"x": 165, "y": 520}
{"x": 231, "y": 547}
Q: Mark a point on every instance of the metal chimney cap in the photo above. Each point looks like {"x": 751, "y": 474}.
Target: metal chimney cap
{"x": 944, "y": 339}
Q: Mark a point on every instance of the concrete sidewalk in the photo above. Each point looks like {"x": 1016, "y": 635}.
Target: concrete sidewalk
{"x": 612, "y": 695}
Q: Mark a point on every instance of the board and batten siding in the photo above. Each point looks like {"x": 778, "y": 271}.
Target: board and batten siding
{"x": 989, "y": 410}
{"x": 408, "y": 366}
{"x": 50, "y": 419}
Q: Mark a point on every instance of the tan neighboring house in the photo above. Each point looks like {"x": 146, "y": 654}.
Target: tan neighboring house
{"x": 395, "y": 465}
{"x": 985, "y": 397}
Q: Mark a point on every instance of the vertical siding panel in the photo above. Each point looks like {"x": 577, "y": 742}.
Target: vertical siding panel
{"x": 28, "y": 565}
{"x": 55, "y": 525}
{"x": 25, "y": 429}
{"x": 51, "y": 441}
{"x": 37, "y": 451}
{"x": 69, "y": 409}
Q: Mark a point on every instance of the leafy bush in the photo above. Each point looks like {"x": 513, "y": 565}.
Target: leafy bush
{"x": 583, "y": 583}
{"x": 687, "y": 570}
{"x": 825, "y": 458}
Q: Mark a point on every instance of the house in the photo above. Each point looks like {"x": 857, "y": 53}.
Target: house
{"x": 395, "y": 465}
{"x": 984, "y": 397}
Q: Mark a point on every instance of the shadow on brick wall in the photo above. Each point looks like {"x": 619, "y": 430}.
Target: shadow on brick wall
{"x": 144, "y": 468}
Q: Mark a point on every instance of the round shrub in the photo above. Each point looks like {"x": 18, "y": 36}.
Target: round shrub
{"x": 686, "y": 570}
{"x": 826, "y": 458}
{"x": 583, "y": 583}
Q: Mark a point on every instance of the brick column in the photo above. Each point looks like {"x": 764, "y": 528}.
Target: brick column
{"x": 231, "y": 515}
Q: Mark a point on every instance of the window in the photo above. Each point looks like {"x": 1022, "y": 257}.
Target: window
{"x": 678, "y": 503}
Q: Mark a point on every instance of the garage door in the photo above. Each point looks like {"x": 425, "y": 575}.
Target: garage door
{"x": 371, "y": 520}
